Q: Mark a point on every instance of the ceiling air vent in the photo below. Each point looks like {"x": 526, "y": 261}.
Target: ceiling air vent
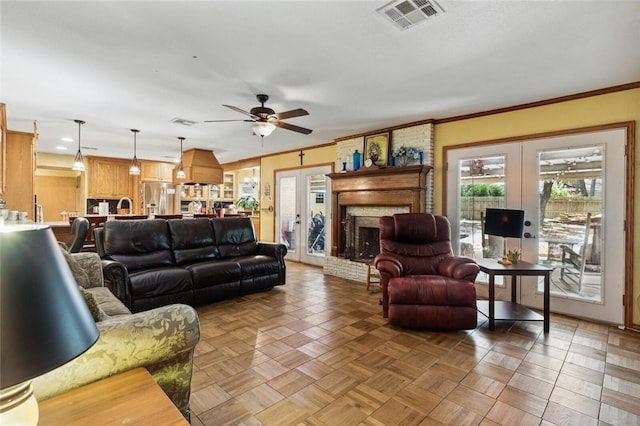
{"x": 183, "y": 121}
{"x": 409, "y": 13}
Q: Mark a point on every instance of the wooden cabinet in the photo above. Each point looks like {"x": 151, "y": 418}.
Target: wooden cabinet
{"x": 256, "y": 226}
{"x": 3, "y": 148}
{"x": 157, "y": 171}
{"x": 194, "y": 192}
{"x": 19, "y": 171}
{"x": 109, "y": 178}
{"x": 227, "y": 191}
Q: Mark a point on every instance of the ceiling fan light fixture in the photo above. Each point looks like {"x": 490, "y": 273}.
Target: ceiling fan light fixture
{"x": 78, "y": 161}
{"x": 262, "y": 128}
{"x": 135, "y": 167}
{"x": 180, "y": 174}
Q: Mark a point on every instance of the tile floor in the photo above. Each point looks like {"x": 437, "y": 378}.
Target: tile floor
{"x": 318, "y": 352}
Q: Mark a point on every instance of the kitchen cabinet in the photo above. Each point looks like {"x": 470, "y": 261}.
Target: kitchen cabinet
{"x": 109, "y": 178}
{"x": 3, "y": 148}
{"x": 157, "y": 171}
{"x": 227, "y": 192}
{"x": 19, "y": 171}
{"x": 194, "y": 192}
{"x": 256, "y": 225}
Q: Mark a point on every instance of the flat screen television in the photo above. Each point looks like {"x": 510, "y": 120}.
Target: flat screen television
{"x": 504, "y": 222}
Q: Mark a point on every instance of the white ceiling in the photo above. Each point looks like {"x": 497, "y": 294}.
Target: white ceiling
{"x": 139, "y": 64}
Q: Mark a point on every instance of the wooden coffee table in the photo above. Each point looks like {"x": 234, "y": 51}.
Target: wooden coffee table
{"x": 504, "y": 310}
{"x": 132, "y": 397}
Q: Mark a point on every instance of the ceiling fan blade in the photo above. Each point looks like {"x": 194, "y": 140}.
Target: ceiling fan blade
{"x": 291, "y": 114}
{"x": 222, "y": 121}
{"x": 241, "y": 111}
{"x": 288, "y": 126}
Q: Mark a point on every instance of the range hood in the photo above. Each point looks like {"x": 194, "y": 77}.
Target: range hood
{"x": 200, "y": 166}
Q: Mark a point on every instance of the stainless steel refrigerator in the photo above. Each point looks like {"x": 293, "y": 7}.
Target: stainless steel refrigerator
{"x": 159, "y": 198}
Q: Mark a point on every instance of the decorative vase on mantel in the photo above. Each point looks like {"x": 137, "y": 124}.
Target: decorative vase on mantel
{"x": 402, "y": 161}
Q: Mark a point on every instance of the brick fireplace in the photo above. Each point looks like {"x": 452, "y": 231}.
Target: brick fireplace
{"x": 358, "y": 200}
{"x": 388, "y": 190}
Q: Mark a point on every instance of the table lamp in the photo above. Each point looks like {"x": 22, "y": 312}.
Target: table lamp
{"x": 44, "y": 320}
{"x": 504, "y": 223}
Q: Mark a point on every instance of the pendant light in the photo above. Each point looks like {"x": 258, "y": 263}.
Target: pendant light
{"x": 180, "y": 173}
{"x": 135, "y": 167}
{"x": 78, "y": 162}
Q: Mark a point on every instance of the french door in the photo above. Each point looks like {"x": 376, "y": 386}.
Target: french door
{"x": 302, "y": 222}
{"x": 571, "y": 188}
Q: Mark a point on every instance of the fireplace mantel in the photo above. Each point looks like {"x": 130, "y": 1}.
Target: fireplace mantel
{"x": 389, "y": 186}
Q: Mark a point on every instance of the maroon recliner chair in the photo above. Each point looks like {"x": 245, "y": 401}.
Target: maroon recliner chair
{"x": 423, "y": 284}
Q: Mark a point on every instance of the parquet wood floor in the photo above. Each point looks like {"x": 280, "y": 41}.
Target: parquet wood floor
{"x": 318, "y": 352}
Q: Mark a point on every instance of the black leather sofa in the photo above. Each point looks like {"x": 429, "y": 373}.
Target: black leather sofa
{"x": 157, "y": 262}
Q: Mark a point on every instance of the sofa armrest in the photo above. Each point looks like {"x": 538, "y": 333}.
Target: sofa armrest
{"x": 116, "y": 278}
{"x": 161, "y": 340}
{"x": 459, "y": 267}
{"x": 276, "y": 250}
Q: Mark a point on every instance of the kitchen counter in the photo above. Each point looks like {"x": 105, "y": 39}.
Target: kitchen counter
{"x": 57, "y": 224}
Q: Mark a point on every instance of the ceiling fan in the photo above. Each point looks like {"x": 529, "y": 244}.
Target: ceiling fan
{"x": 266, "y": 120}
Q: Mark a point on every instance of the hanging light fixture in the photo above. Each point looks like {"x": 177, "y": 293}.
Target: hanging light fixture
{"x": 262, "y": 129}
{"x": 78, "y": 162}
{"x": 180, "y": 173}
{"x": 135, "y": 167}
{"x": 254, "y": 181}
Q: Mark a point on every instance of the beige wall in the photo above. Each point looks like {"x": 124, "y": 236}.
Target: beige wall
{"x": 270, "y": 165}
{"x": 596, "y": 110}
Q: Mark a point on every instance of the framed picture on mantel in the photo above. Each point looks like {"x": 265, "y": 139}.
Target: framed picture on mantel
{"x": 376, "y": 148}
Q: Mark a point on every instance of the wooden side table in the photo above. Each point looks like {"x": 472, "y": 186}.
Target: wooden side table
{"x": 129, "y": 398}
{"x": 504, "y": 310}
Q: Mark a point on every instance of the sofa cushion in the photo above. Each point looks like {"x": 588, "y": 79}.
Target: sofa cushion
{"x": 96, "y": 312}
{"x": 107, "y": 302}
{"x": 192, "y": 240}
{"x": 207, "y": 274}
{"x": 160, "y": 281}
{"x": 258, "y": 265}
{"x": 235, "y": 236}
{"x": 138, "y": 244}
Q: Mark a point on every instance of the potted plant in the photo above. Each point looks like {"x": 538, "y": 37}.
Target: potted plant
{"x": 248, "y": 203}
{"x": 405, "y": 154}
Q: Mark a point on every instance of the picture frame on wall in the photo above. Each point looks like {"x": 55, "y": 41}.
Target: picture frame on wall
{"x": 376, "y": 148}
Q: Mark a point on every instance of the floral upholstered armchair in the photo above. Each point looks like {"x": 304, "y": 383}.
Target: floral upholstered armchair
{"x": 161, "y": 340}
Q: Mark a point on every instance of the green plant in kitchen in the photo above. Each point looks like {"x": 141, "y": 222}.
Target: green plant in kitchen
{"x": 248, "y": 202}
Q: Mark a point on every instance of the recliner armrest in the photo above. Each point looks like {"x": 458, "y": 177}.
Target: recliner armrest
{"x": 385, "y": 263}
{"x": 116, "y": 277}
{"x": 459, "y": 267}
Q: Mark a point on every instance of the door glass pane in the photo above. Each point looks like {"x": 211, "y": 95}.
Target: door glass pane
{"x": 481, "y": 186}
{"x": 316, "y": 207}
{"x": 287, "y": 212}
{"x": 571, "y": 205}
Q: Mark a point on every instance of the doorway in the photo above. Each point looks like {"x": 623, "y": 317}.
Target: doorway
{"x": 302, "y": 222}
{"x": 571, "y": 188}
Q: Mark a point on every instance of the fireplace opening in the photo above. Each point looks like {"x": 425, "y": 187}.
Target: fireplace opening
{"x": 368, "y": 245}
{"x": 363, "y": 238}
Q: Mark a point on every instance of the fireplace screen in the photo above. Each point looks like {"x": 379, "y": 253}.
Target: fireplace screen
{"x": 363, "y": 238}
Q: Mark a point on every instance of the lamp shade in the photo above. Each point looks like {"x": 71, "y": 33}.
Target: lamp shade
{"x": 504, "y": 222}
{"x": 44, "y": 320}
